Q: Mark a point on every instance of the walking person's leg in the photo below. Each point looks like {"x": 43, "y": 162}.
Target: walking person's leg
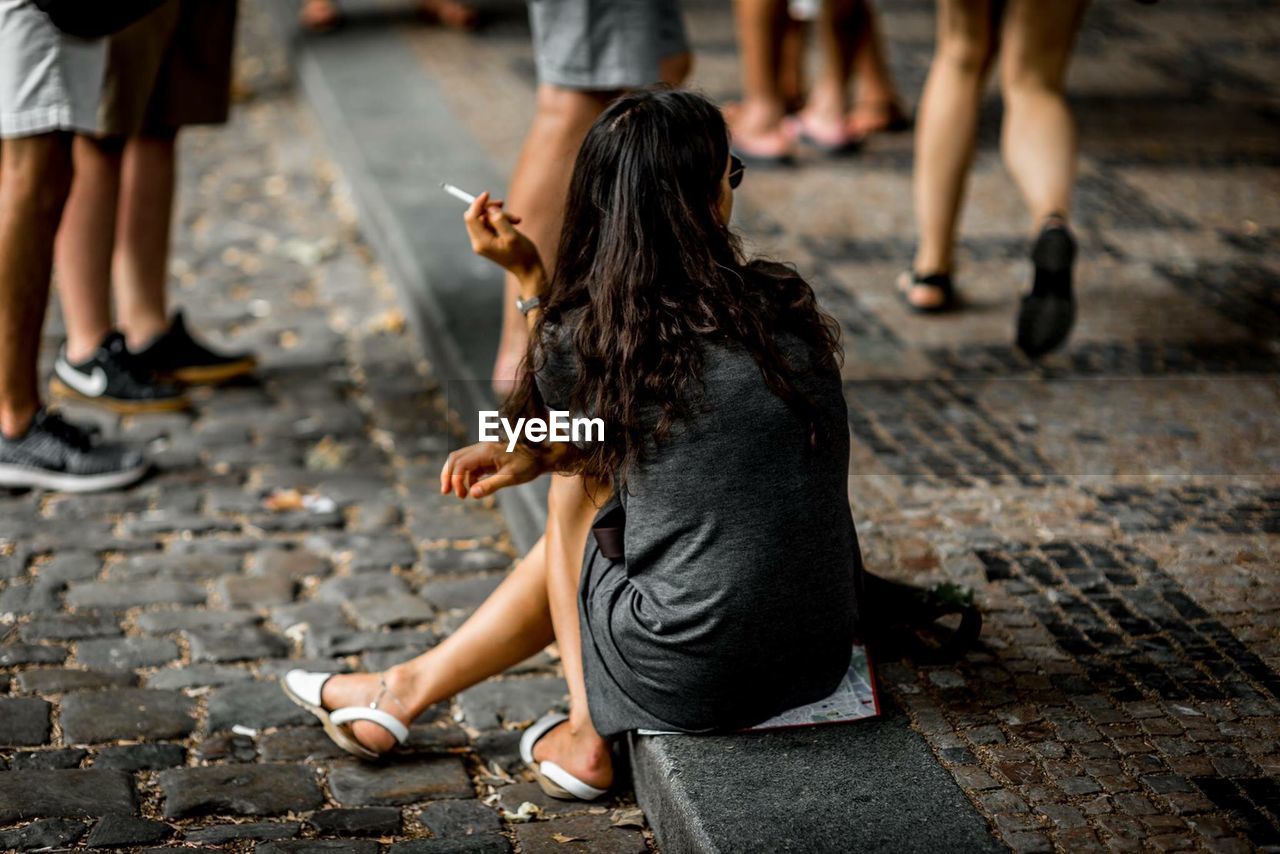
{"x": 822, "y": 121}
{"x": 877, "y": 106}
{"x": 946, "y": 128}
{"x": 759, "y": 130}
{"x": 1038, "y": 141}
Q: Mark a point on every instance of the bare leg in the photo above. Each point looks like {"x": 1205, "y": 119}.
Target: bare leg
{"x": 539, "y": 187}
{"x": 757, "y": 123}
{"x": 948, "y": 123}
{"x": 35, "y": 177}
{"x": 824, "y": 112}
{"x": 510, "y": 626}
{"x": 451, "y": 13}
{"x": 319, "y": 15}
{"x": 142, "y": 237}
{"x": 877, "y": 106}
{"x": 85, "y": 243}
{"x": 574, "y": 745}
{"x": 1038, "y": 138}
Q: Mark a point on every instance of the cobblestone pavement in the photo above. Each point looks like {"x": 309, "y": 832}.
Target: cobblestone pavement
{"x": 1117, "y": 509}
{"x": 292, "y": 523}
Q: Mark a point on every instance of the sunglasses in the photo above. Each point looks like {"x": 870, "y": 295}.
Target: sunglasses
{"x": 736, "y": 170}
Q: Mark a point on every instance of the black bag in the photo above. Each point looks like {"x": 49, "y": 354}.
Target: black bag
{"x": 93, "y": 19}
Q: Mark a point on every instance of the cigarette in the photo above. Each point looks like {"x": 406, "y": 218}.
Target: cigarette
{"x": 460, "y": 195}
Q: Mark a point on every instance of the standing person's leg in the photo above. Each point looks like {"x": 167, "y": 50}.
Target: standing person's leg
{"x": 84, "y": 245}
{"x": 1038, "y": 140}
{"x": 759, "y": 130}
{"x": 822, "y": 121}
{"x": 539, "y": 186}
{"x": 141, "y": 267}
{"x": 946, "y": 128}
{"x": 877, "y": 106}
{"x": 35, "y": 176}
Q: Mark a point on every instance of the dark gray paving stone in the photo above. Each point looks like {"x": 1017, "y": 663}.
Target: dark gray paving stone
{"x": 129, "y": 594}
{"x": 168, "y": 565}
{"x": 592, "y": 833}
{"x": 400, "y": 782}
{"x": 155, "y": 522}
{"x": 43, "y": 834}
{"x": 125, "y": 653}
{"x": 126, "y": 713}
{"x": 197, "y": 675}
{"x": 453, "y": 523}
{"x": 317, "y": 846}
{"x": 376, "y": 662}
{"x": 70, "y": 627}
{"x": 47, "y": 760}
{"x": 363, "y": 821}
{"x": 489, "y": 843}
{"x": 255, "y": 704}
{"x": 460, "y": 818}
{"x": 141, "y": 757}
{"x": 234, "y": 643}
{"x": 227, "y": 746}
{"x": 455, "y": 561}
{"x": 278, "y": 667}
{"x": 31, "y": 653}
{"x": 299, "y": 521}
{"x": 58, "y": 680}
{"x": 219, "y": 834}
{"x": 238, "y": 790}
{"x": 117, "y": 831}
{"x": 71, "y": 566}
{"x": 298, "y": 745}
{"x": 319, "y": 616}
{"x": 490, "y": 704}
{"x": 322, "y": 644}
{"x": 381, "y": 553}
{"x": 501, "y": 746}
{"x": 291, "y": 563}
{"x": 460, "y": 593}
{"x": 344, "y": 588}
{"x": 30, "y": 595}
{"x": 163, "y": 622}
{"x": 377, "y": 612}
{"x": 14, "y": 564}
{"x": 79, "y": 793}
{"x": 23, "y": 721}
{"x": 256, "y": 591}
{"x": 789, "y": 790}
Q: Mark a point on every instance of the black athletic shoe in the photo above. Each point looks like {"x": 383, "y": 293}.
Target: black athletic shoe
{"x": 175, "y": 354}
{"x": 54, "y": 454}
{"x": 1049, "y": 311}
{"x": 113, "y": 379}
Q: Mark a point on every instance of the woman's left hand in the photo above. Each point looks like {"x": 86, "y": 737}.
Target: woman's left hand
{"x": 494, "y": 236}
{"x": 482, "y": 469}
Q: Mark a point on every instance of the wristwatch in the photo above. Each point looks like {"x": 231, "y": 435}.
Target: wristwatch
{"x": 527, "y": 305}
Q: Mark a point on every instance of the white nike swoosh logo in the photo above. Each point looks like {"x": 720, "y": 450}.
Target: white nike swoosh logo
{"x": 93, "y": 385}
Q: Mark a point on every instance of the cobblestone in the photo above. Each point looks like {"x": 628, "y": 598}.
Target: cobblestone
{"x": 400, "y": 783}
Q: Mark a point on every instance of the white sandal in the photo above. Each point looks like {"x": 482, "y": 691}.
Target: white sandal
{"x": 304, "y": 688}
{"x": 554, "y": 780}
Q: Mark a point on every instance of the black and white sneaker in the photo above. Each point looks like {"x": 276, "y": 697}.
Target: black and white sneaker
{"x": 113, "y": 379}
{"x": 54, "y": 454}
{"x": 176, "y": 354}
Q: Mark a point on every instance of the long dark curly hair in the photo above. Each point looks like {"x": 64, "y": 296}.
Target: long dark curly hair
{"x": 647, "y": 275}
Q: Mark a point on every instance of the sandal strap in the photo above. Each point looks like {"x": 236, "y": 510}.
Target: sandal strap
{"x": 571, "y": 784}
{"x": 349, "y": 714}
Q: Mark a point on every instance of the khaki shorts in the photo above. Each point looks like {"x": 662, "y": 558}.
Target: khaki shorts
{"x": 170, "y": 69}
{"x": 49, "y": 81}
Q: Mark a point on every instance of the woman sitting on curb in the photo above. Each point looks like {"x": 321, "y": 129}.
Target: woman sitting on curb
{"x": 721, "y": 584}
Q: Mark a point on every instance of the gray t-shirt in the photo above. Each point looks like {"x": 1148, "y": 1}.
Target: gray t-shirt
{"x": 736, "y": 596}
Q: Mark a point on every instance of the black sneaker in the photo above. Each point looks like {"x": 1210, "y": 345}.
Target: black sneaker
{"x": 112, "y": 378}
{"x": 1049, "y": 311}
{"x": 175, "y": 354}
{"x": 54, "y": 454}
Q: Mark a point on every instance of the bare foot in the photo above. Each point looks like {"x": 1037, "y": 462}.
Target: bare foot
{"x": 825, "y": 130}
{"x": 319, "y": 15}
{"x": 759, "y": 135}
{"x": 584, "y": 754}
{"x": 881, "y": 117}
{"x": 451, "y": 13}
{"x": 361, "y": 689}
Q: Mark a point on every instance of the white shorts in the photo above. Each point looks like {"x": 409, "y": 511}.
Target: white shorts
{"x": 49, "y": 81}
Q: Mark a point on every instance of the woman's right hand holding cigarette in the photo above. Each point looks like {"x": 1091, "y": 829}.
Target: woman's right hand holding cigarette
{"x": 494, "y": 236}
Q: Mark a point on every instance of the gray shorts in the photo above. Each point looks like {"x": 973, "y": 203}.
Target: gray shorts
{"x": 604, "y": 44}
{"x": 49, "y": 81}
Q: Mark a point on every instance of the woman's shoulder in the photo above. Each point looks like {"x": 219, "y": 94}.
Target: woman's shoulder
{"x": 766, "y": 269}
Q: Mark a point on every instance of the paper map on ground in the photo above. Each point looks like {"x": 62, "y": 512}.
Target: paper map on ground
{"x": 853, "y": 699}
